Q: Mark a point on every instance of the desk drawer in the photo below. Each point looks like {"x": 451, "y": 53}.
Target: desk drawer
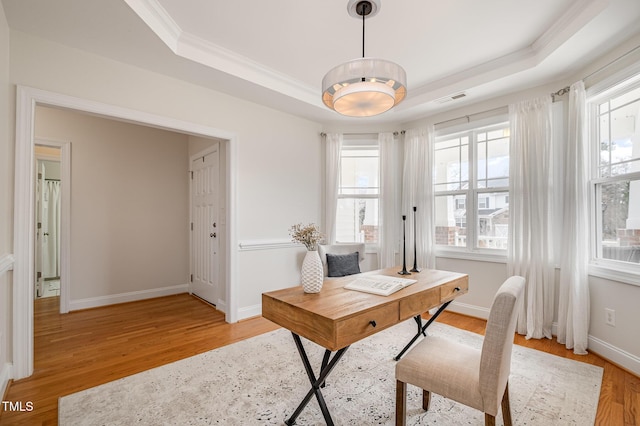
{"x": 359, "y": 326}
{"x": 419, "y": 304}
{"x": 453, "y": 289}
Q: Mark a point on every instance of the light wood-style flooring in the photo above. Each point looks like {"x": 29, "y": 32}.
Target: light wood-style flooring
{"x": 87, "y": 348}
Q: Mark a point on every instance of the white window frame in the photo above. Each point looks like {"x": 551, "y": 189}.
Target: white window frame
{"x": 472, "y": 251}
{"x": 607, "y": 268}
{"x": 369, "y": 142}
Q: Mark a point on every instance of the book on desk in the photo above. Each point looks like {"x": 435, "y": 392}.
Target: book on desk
{"x": 382, "y": 285}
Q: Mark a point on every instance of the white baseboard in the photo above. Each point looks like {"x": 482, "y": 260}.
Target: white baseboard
{"x": 112, "y": 299}
{"x": 221, "y": 306}
{"x": 615, "y": 355}
{"x": 250, "y": 311}
{"x": 470, "y": 310}
{"x": 5, "y": 376}
{"x": 607, "y": 351}
{"x": 482, "y": 313}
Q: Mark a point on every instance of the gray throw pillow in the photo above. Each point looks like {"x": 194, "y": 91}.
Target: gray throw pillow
{"x": 341, "y": 265}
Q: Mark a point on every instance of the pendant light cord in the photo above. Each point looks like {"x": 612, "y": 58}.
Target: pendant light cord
{"x": 363, "y": 14}
{"x": 361, "y": 8}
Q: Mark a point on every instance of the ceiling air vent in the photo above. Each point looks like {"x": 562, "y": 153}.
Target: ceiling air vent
{"x": 450, "y": 98}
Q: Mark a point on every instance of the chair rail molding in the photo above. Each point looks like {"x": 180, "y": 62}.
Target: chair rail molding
{"x": 267, "y": 244}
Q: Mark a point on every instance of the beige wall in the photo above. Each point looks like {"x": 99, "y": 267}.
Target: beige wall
{"x": 129, "y": 203}
{"x": 278, "y": 170}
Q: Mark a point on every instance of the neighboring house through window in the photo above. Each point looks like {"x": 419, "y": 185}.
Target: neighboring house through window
{"x": 471, "y": 183}
{"x": 359, "y": 190}
{"x": 615, "y": 142}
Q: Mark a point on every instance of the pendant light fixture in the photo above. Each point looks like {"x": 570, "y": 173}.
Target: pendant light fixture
{"x": 367, "y": 86}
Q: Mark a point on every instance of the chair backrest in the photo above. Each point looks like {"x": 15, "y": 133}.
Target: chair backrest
{"x": 495, "y": 362}
{"x": 339, "y": 249}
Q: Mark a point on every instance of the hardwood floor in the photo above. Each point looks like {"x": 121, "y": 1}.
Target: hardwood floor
{"x": 87, "y": 348}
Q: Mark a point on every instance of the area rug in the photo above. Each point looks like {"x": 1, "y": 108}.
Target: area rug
{"x": 260, "y": 381}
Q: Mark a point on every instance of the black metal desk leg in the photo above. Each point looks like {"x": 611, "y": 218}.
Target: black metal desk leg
{"x": 325, "y": 361}
{"x": 423, "y": 329}
{"x": 418, "y": 319}
{"x": 316, "y": 383}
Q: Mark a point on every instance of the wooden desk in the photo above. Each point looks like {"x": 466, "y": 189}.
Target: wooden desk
{"x": 335, "y": 318}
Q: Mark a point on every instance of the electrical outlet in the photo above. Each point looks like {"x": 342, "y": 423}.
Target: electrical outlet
{"x": 610, "y": 317}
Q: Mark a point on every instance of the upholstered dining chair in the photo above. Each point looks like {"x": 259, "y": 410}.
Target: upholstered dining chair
{"x": 340, "y": 260}
{"x": 477, "y": 378}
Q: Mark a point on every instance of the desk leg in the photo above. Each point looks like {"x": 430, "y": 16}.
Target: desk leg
{"x": 316, "y": 384}
{"x": 418, "y": 319}
{"x": 423, "y": 329}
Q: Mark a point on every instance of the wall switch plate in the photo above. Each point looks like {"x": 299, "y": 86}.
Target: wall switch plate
{"x": 610, "y": 317}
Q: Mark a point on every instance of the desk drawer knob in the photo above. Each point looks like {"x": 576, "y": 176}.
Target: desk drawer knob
{"x": 373, "y": 323}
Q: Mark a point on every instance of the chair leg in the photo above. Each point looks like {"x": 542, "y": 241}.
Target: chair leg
{"x": 401, "y": 403}
{"x": 506, "y": 407}
{"x": 426, "y": 399}
{"x": 489, "y": 420}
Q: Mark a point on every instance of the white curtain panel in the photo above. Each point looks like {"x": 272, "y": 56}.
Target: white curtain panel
{"x": 388, "y": 204}
{"x": 530, "y": 252}
{"x": 573, "y": 306}
{"x": 417, "y": 191}
{"x": 333, "y": 146}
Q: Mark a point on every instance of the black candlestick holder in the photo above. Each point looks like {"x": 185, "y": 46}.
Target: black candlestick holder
{"x": 415, "y": 248}
{"x": 404, "y": 247}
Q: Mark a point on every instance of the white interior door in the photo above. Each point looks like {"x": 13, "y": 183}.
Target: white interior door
{"x": 205, "y": 229}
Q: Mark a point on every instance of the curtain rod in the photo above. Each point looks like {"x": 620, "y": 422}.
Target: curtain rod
{"x": 560, "y": 92}
{"x": 396, "y": 133}
{"x": 567, "y": 89}
{"x": 602, "y": 68}
{"x": 468, "y": 117}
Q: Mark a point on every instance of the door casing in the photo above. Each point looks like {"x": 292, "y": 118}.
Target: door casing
{"x": 24, "y": 207}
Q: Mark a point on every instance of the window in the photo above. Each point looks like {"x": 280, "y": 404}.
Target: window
{"x": 615, "y": 139}
{"x": 471, "y": 182}
{"x": 359, "y": 189}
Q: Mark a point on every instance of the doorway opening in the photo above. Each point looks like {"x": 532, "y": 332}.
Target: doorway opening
{"x": 47, "y": 227}
{"x": 24, "y": 252}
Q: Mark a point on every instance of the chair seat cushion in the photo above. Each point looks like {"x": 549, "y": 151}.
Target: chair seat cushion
{"x": 341, "y": 265}
{"x": 444, "y": 367}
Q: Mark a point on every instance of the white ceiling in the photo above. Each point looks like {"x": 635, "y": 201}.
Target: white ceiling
{"x": 276, "y": 52}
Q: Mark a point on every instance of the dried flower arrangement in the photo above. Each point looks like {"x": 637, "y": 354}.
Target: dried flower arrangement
{"x": 308, "y": 235}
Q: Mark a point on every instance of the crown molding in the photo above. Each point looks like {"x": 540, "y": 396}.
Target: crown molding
{"x": 158, "y": 20}
{"x": 573, "y": 20}
{"x": 212, "y": 55}
{"x": 217, "y": 57}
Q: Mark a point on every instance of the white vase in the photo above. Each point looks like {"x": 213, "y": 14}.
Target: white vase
{"x": 312, "y": 275}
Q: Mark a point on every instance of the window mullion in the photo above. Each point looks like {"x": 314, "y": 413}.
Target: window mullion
{"x": 472, "y": 199}
{"x": 597, "y": 193}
